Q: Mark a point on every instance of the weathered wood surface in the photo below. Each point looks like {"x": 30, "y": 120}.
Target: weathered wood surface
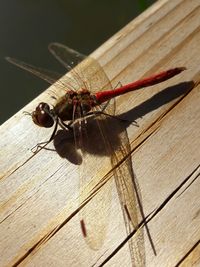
{"x": 40, "y": 193}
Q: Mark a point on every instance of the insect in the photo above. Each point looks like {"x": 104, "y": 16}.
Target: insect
{"x": 79, "y": 103}
{"x": 86, "y": 93}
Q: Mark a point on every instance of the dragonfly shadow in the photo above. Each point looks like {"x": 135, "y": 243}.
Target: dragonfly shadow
{"x": 93, "y": 141}
{"x": 64, "y": 144}
{"x": 158, "y": 100}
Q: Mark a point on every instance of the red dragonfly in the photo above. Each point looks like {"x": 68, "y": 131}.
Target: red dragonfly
{"x": 84, "y": 98}
{"x": 79, "y": 103}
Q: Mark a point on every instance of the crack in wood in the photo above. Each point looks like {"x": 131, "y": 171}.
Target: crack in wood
{"x": 188, "y": 254}
{"x": 149, "y": 217}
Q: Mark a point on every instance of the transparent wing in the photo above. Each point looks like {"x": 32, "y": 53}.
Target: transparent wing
{"x": 67, "y": 56}
{"x": 99, "y": 139}
{"x": 91, "y": 143}
{"x": 47, "y": 75}
{"x": 94, "y": 216}
{"x": 89, "y": 67}
{"x": 130, "y": 199}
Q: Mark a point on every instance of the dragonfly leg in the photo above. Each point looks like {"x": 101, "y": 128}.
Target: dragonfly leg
{"x": 119, "y": 84}
{"x": 39, "y": 146}
{"x": 68, "y": 126}
{"x": 42, "y": 145}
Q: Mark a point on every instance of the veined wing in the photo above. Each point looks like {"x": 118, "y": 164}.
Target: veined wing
{"x": 100, "y": 141}
{"x": 126, "y": 185}
{"x": 47, "y": 75}
{"x": 130, "y": 199}
{"x": 72, "y": 58}
{"x": 67, "y": 56}
{"x": 91, "y": 142}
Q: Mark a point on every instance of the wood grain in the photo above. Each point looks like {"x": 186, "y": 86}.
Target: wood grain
{"x": 40, "y": 208}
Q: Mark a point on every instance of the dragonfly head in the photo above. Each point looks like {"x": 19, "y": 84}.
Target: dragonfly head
{"x": 42, "y": 116}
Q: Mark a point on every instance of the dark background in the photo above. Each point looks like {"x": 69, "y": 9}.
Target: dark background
{"x": 27, "y": 27}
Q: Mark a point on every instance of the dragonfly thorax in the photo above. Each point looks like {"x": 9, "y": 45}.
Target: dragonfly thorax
{"x": 74, "y": 103}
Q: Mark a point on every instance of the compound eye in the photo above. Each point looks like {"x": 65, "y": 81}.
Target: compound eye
{"x": 42, "y": 117}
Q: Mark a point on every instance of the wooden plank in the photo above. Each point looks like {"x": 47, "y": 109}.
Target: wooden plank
{"x": 40, "y": 220}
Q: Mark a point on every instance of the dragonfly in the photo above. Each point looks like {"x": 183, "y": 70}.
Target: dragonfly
{"x": 87, "y": 107}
